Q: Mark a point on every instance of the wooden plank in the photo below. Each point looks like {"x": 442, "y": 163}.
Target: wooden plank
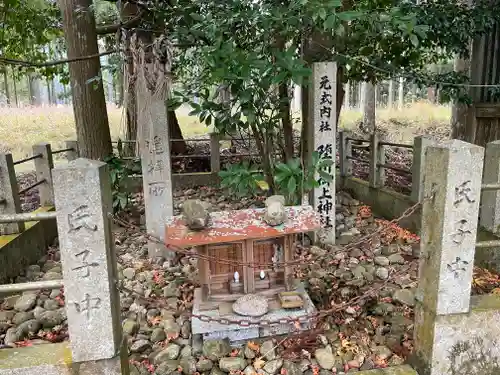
{"x": 240, "y": 225}
{"x": 249, "y": 280}
{"x": 484, "y": 110}
{"x": 287, "y": 250}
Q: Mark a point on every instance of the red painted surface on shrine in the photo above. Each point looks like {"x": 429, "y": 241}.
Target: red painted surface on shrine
{"x": 238, "y": 225}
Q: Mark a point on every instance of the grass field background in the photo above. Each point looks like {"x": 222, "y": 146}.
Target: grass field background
{"x": 20, "y": 128}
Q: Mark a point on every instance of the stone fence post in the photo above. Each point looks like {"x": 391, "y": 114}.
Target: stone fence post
{"x": 490, "y": 199}
{"x": 420, "y": 145}
{"x": 83, "y": 199}
{"x": 9, "y": 194}
{"x": 345, "y": 152}
{"x": 214, "y": 153}
{"x": 43, "y": 169}
{"x": 452, "y": 190}
{"x": 73, "y": 154}
{"x": 376, "y": 176}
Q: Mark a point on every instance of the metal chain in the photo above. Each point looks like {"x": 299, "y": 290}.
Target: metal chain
{"x": 407, "y": 213}
{"x": 297, "y": 320}
{"x": 309, "y": 318}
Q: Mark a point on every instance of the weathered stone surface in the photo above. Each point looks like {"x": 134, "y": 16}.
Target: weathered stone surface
{"x": 232, "y": 364}
{"x": 158, "y": 334}
{"x": 382, "y": 273}
{"x": 130, "y": 327}
{"x": 171, "y": 351}
{"x": 453, "y": 175}
{"x": 188, "y": 365}
{"x": 140, "y": 346}
{"x": 268, "y": 350}
{"x": 381, "y": 260}
{"x": 25, "y": 302}
{"x": 323, "y": 129}
{"x": 216, "y": 349}
{"x": 251, "y": 305}
{"x": 291, "y": 368}
{"x": 400, "y": 370}
{"x": 204, "y": 365}
{"x": 167, "y": 367}
{"x": 83, "y": 200}
{"x": 404, "y": 296}
{"x": 50, "y": 319}
{"x": 275, "y": 210}
{"x": 325, "y": 358}
{"x": 22, "y": 316}
{"x": 272, "y": 367}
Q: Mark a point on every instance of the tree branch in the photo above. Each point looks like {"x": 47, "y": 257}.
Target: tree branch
{"x": 110, "y": 29}
{"x": 7, "y": 61}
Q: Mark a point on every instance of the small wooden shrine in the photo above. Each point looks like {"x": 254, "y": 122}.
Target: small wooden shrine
{"x": 243, "y": 236}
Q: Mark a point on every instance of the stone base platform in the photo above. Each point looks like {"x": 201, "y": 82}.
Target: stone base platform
{"x": 238, "y": 334}
{"x": 55, "y": 359}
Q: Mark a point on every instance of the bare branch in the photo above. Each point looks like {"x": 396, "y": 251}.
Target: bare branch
{"x": 7, "y": 61}
{"x": 111, "y": 29}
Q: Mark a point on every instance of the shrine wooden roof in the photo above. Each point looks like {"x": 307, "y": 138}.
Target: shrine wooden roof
{"x": 238, "y": 225}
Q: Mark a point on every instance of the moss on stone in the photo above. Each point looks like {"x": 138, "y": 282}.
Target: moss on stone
{"x": 399, "y": 370}
{"x": 5, "y": 239}
{"x": 485, "y": 302}
{"x": 37, "y": 355}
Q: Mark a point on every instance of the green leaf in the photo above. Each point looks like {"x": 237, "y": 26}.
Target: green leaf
{"x": 292, "y": 185}
{"x": 325, "y": 176}
{"x": 349, "y": 15}
{"x": 322, "y": 13}
{"x": 330, "y": 21}
{"x": 414, "y": 40}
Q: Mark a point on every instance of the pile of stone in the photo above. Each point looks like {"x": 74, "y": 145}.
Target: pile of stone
{"x": 160, "y": 341}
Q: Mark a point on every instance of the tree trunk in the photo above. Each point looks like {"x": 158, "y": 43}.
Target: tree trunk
{"x": 369, "y": 107}
{"x": 50, "y": 98}
{"x": 175, "y": 133}
{"x": 15, "y": 88}
{"x": 286, "y": 120}
{"x": 6, "y": 85}
{"x": 34, "y": 90}
{"x": 89, "y": 103}
{"x": 459, "y": 111}
{"x": 390, "y": 97}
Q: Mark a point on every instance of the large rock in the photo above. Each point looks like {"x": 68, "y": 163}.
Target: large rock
{"x": 158, "y": 335}
{"x": 291, "y": 368}
{"x": 268, "y": 350}
{"x": 50, "y": 319}
{"x": 216, "y": 349}
{"x": 130, "y": 327}
{"x": 272, "y": 367}
{"x": 382, "y": 273}
{"x": 172, "y": 329}
{"x": 167, "y": 368}
{"x": 188, "y": 365}
{"x": 25, "y": 302}
{"x": 6, "y": 316}
{"x": 22, "y": 317}
{"x": 381, "y": 261}
{"x": 28, "y": 328}
{"x": 325, "y": 358}
{"x": 405, "y": 297}
{"x": 275, "y": 213}
{"x": 232, "y": 364}
{"x": 204, "y": 365}
{"x": 140, "y": 346}
{"x": 170, "y": 352}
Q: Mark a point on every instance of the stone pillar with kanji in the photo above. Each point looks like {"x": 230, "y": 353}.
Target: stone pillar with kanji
{"x": 322, "y": 135}
{"x": 83, "y": 203}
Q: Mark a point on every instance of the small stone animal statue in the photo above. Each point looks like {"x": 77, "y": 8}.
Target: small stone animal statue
{"x": 275, "y": 210}
{"x": 196, "y": 214}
